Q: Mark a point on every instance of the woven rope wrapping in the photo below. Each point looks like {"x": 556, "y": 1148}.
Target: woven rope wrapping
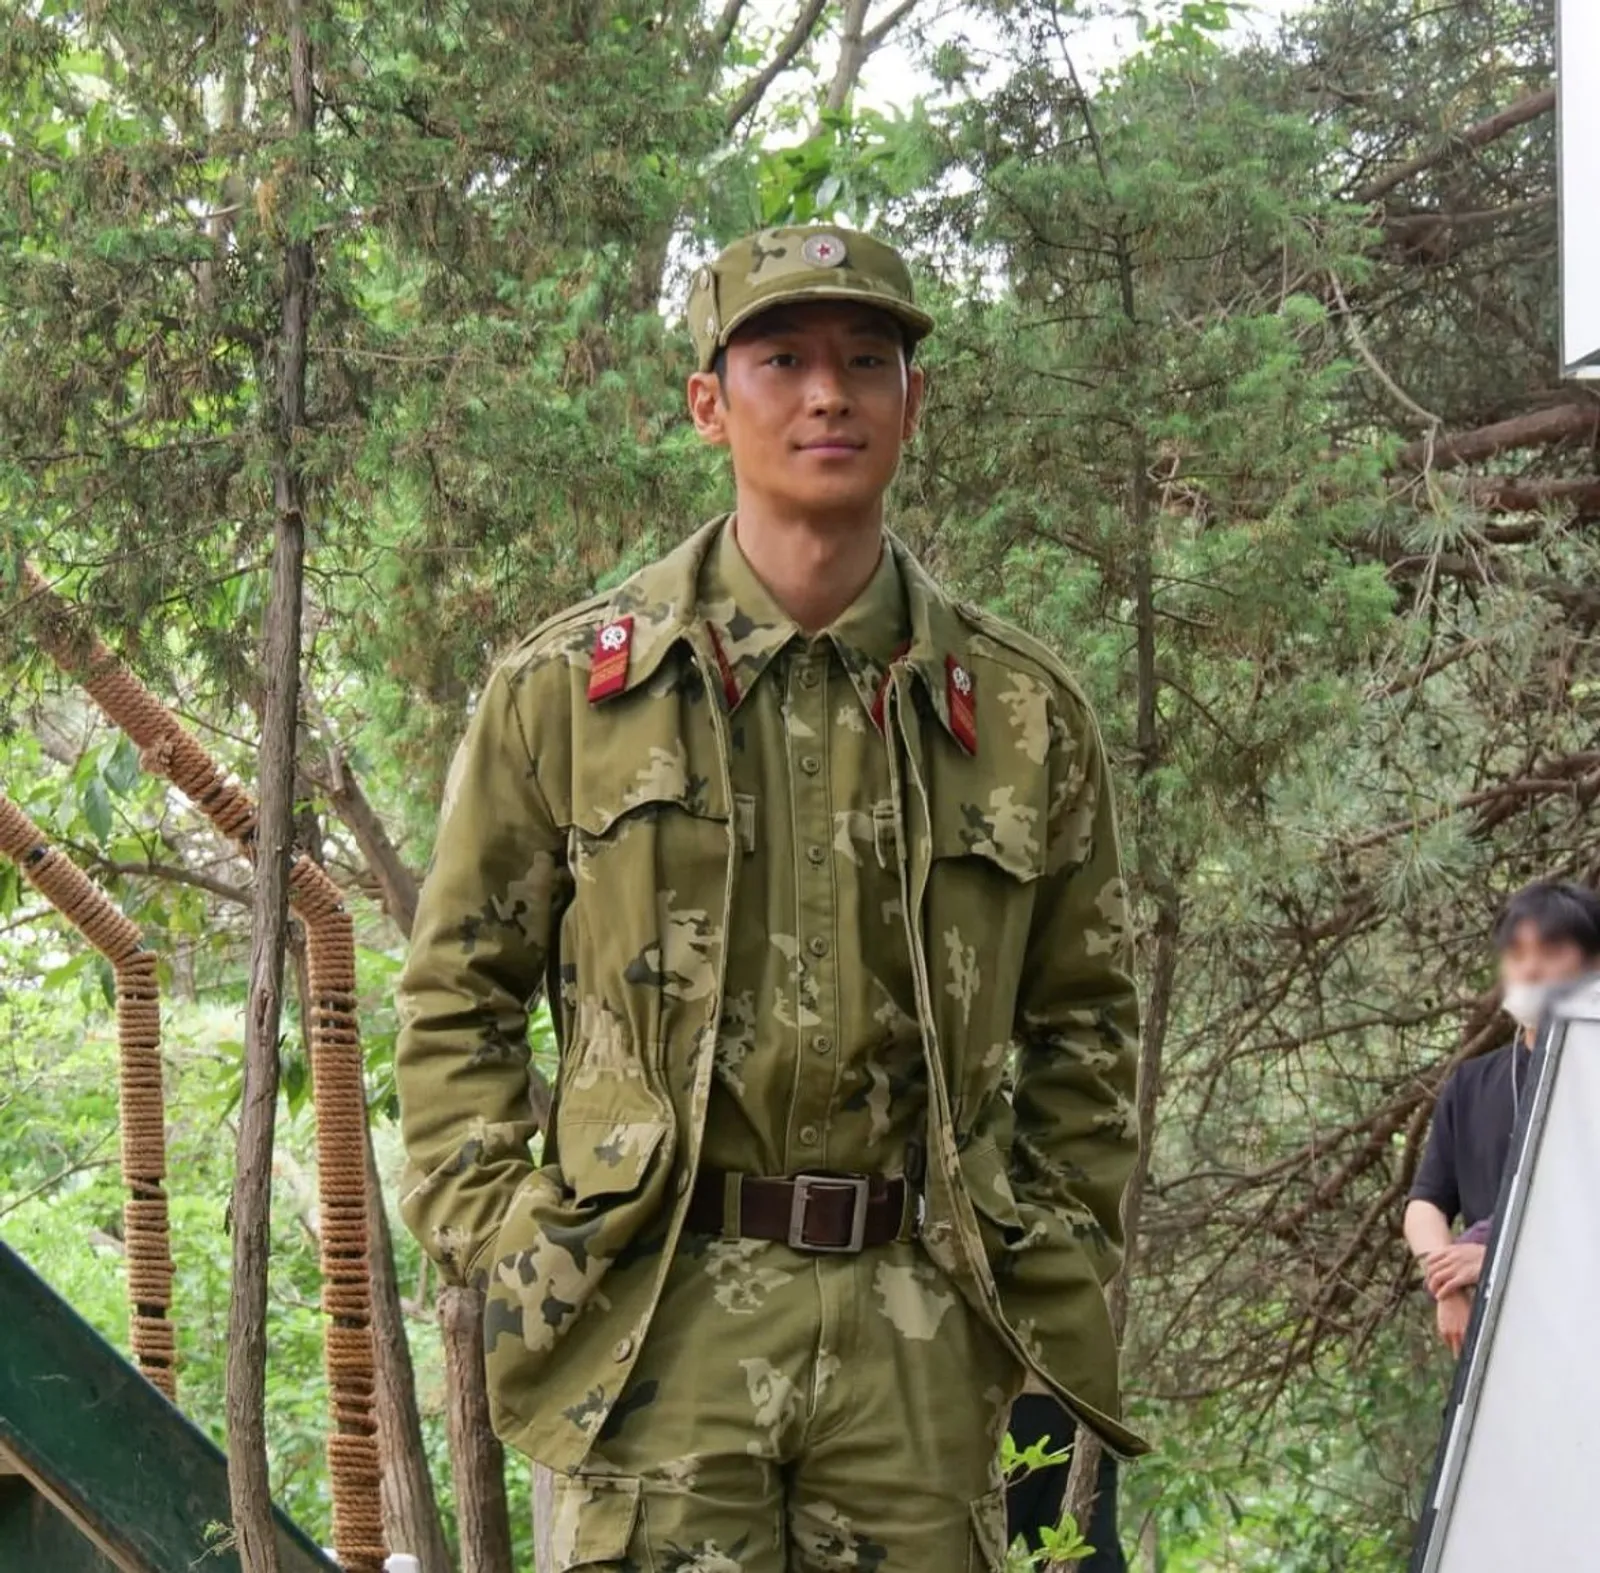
{"x": 144, "y": 1144}
{"x": 338, "y": 1086}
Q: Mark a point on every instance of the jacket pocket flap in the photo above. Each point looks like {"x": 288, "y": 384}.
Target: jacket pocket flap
{"x": 654, "y": 780}
{"x": 601, "y": 1158}
{"x": 1000, "y": 827}
{"x": 593, "y": 1521}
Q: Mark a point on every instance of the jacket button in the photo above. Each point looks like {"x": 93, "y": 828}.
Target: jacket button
{"x": 624, "y": 1348}
{"x": 810, "y": 1135}
{"x": 817, "y": 854}
{"x": 822, "y": 1043}
{"x": 817, "y": 945}
{"x": 811, "y": 764}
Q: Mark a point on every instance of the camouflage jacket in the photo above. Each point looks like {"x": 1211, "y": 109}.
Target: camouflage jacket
{"x": 587, "y": 843}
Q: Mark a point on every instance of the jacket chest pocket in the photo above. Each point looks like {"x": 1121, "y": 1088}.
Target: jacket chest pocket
{"x": 982, "y": 811}
{"x": 619, "y": 844}
{"x": 648, "y": 844}
{"x": 646, "y": 920}
{"x": 986, "y": 861}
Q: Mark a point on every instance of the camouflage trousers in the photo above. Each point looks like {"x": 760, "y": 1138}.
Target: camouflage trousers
{"x": 799, "y": 1413}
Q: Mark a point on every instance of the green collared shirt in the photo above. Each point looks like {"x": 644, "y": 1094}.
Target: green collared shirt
{"x": 819, "y": 1059}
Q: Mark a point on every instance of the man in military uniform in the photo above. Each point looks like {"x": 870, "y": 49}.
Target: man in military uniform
{"x": 820, "y": 869}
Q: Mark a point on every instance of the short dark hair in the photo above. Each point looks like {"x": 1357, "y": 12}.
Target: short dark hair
{"x": 1561, "y": 913}
{"x": 908, "y": 348}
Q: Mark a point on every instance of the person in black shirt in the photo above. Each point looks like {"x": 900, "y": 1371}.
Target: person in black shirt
{"x": 1548, "y": 935}
{"x": 1034, "y": 1501}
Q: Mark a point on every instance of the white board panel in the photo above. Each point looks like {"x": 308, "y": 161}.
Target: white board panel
{"x": 1578, "y": 88}
{"x": 1519, "y": 1470}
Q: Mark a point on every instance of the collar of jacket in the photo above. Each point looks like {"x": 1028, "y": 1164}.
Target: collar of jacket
{"x": 662, "y": 600}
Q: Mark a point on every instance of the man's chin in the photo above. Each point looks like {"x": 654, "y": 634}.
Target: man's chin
{"x": 845, "y": 498}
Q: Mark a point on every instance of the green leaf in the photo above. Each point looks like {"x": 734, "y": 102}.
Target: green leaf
{"x": 97, "y": 808}
{"x": 108, "y": 979}
{"x": 296, "y": 1081}
{"x": 121, "y": 769}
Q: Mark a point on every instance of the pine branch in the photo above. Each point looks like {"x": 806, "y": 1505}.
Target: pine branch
{"x": 1537, "y": 430}
{"x": 1480, "y": 135}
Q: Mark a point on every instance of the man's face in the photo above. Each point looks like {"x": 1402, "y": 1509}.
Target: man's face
{"x": 1529, "y": 958}
{"x": 817, "y": 405}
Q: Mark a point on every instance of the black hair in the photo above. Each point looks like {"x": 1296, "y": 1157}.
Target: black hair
{"x": 908, "y": 348}
{"x": 1561, "y": 913}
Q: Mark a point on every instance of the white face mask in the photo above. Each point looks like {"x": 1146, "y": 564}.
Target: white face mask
{"x": 1525, "y": 1003}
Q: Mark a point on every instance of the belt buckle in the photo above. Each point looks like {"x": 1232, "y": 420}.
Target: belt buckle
{"x": 804, "y": 1184}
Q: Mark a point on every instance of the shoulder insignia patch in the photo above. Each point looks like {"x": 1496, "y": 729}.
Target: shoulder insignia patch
{"x": 959, "y": 695}
{"x": 608, "y": 671}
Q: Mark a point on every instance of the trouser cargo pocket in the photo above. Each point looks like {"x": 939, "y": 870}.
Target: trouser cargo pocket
{"x": 592, "y": 1523}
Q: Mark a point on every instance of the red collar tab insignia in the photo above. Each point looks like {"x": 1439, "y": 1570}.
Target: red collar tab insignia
{"x": 730, "y": 683}
{"x": 960, "y": 692}
{"x": 883, "y": 686}
{"x": 608, "y": 671}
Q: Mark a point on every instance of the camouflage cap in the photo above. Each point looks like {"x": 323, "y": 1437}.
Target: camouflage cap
{"x": 795, "y": 263}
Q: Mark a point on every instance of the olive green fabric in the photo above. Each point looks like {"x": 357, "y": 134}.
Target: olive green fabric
{"x": 818, "y": 1060}
{"x": 799, "y": 1414}
{"x": 798, "y": 262}
{"x": 596, "y": 845}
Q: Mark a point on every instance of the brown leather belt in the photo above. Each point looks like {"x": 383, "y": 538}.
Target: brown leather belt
{"x": 810, "y": 1212}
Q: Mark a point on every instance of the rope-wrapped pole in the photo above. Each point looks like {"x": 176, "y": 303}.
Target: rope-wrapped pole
{"x": 147, "y": 1240}
{"x": 338, "y": 1087}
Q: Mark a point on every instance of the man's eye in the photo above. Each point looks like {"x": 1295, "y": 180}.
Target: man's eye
{"x": 871, "y": 362}
{"x": 782, "y": 358}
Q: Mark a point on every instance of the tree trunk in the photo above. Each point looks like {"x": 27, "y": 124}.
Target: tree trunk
{"x": 396, "y": 882}
{"x": 482, "y": 1516}
{"x": 1150, "y": 1545}
{"x": 1157, "y": 887}
{"x": 852, "y": 54}
{"x": 410, "y": 1509}
{"x": 248, "y": 1482}
{"x": 1156, "y": 883}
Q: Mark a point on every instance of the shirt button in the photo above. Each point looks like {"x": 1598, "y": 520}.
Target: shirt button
{"x": 817, "y": 854}
{"x": 810, "y": 1135}
{"x": 822, "y": 1043}
{"x": 811, "y": 764}
{"x": 817, "y": 946}
{"x": 624, "y": 1348}
{"x": 809, "y": 678}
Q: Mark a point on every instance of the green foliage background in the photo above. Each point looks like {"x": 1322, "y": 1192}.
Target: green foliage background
{"x": 1208, "y": 405}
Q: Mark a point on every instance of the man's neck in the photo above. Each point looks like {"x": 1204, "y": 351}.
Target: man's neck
{"x": 813, "y": 568}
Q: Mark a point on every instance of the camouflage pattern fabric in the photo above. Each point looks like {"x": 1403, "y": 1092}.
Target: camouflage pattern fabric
{"x": 799, "y": 1414}
{"x": 818, "y": 1060}
{"x": 797, "y": 263}
{"x": 595, "y": 846}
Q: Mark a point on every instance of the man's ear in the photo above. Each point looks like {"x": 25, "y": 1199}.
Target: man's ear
{"x": 706, "y": 407}
{"x": 916, "y": 386}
